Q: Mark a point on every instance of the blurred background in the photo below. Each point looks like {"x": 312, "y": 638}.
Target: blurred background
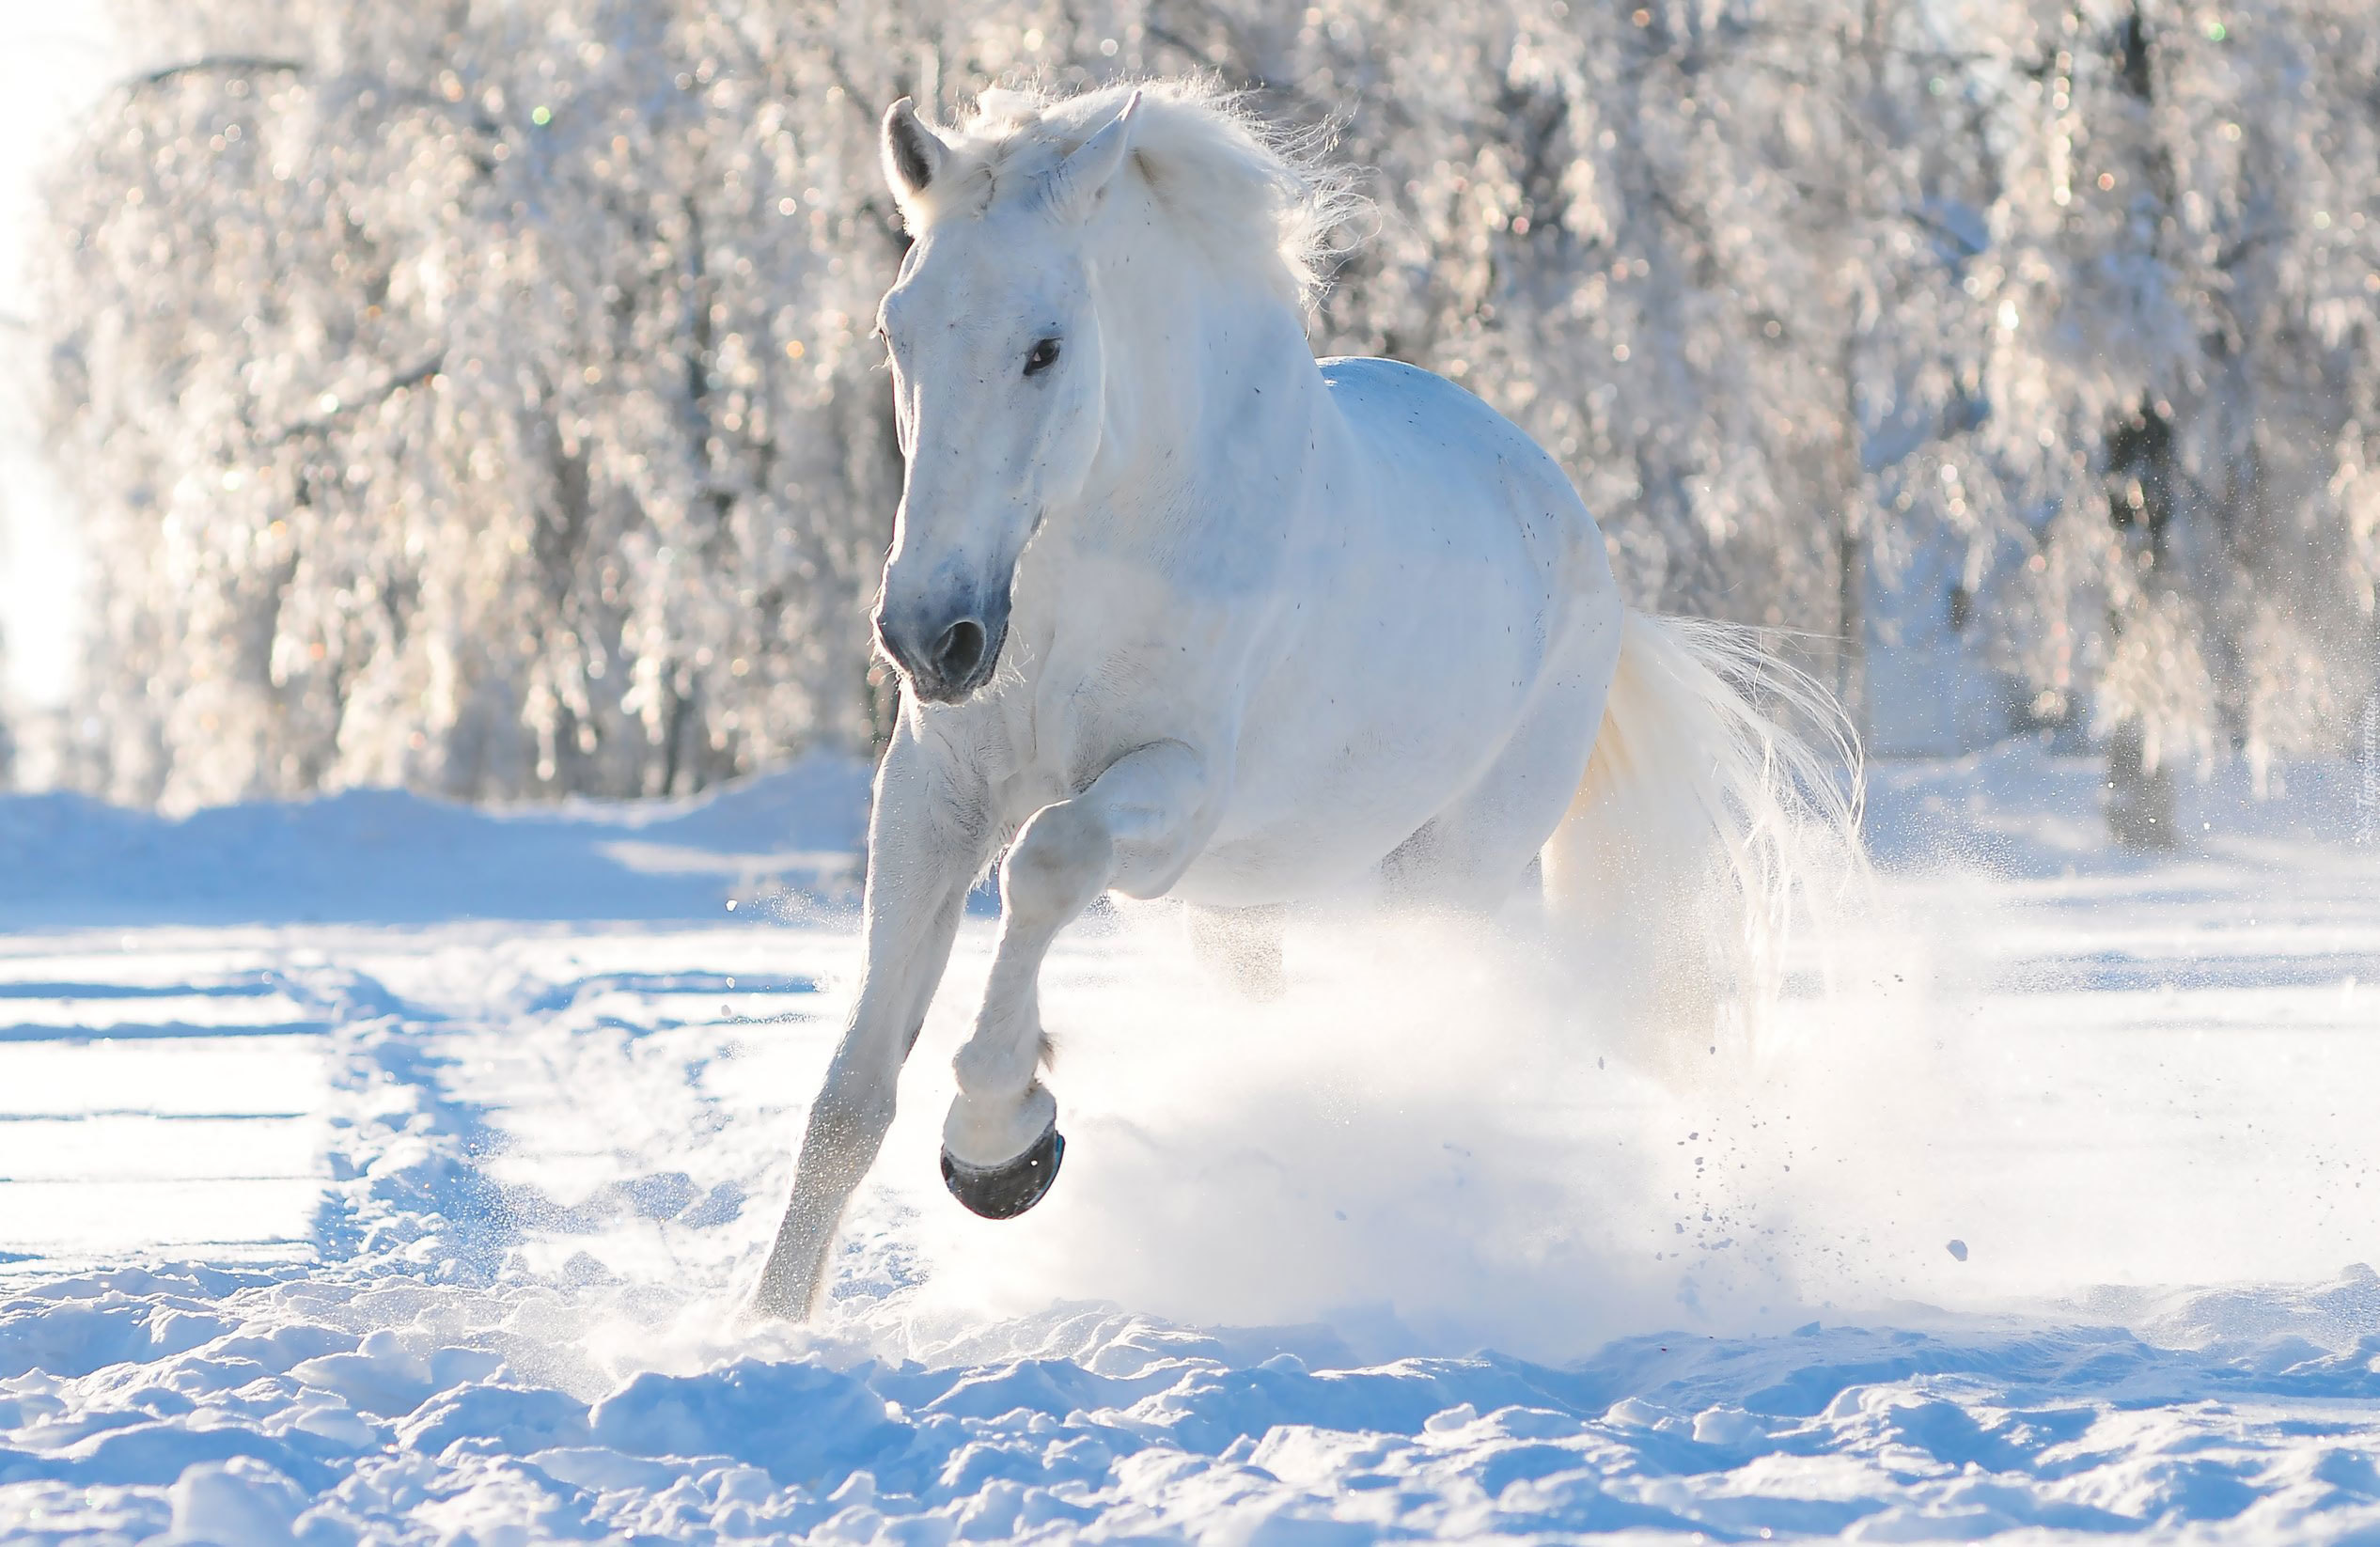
{"x": 476, "y": 397}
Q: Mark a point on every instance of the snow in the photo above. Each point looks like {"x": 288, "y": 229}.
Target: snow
{"x": 377, "y": 1169}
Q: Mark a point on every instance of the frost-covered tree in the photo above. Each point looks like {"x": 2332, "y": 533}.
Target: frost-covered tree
{"x": 2167, "y": 484}
{"x": 477, "y": 396}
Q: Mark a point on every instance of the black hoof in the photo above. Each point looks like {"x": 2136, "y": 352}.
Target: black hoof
{"x": 1006, "y": 1190}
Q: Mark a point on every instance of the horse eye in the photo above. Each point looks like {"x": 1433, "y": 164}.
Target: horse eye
{"x": 1044, "y": 356}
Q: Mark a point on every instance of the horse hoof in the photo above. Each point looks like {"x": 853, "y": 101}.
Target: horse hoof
{"x": 1006, "y": 1190}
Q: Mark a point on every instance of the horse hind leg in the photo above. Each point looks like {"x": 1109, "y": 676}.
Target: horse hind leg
{"x": 1479, "y": 851}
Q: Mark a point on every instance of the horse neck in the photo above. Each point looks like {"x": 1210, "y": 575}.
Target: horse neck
{"x": 1185, "y": 348}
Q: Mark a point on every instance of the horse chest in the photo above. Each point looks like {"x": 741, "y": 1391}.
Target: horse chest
{"x": 1113, "y": 656}
{"x": 1056, "y": 726}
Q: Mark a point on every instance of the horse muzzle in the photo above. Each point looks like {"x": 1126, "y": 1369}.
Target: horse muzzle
{"x": 945, "y": 657}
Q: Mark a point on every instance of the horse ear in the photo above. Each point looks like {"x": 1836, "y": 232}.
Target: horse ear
{"x": 1076, "y": 183}
{"x": 914, "y": 155}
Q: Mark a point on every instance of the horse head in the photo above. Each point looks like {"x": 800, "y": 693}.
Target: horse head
{"x": 997, "y": 386}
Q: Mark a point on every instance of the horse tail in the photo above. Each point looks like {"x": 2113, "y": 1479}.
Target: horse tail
{"x": 1705, "y": 817}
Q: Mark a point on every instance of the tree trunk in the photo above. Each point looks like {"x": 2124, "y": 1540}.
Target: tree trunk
{"x": 2140, "y": 798}
{"x": 2368, "y": 754}
{"x": 1851, "y": 541}
{"x": 1850, "y": 613}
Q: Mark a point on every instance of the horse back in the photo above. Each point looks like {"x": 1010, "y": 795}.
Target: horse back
{"x": 1443, "y": 457}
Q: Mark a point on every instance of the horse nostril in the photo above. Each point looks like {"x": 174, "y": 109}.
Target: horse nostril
{"x": 959, "y": 651}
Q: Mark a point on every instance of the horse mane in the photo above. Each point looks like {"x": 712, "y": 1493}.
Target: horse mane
{"x": 1257, "y": 201}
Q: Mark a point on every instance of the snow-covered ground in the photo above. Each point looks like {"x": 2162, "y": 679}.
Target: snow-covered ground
{"x": 375, "y": 1170}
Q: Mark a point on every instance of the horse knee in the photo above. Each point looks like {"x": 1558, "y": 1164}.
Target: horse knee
{"x": 1060, "y": 862}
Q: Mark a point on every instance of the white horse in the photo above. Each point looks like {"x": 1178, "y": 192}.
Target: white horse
{"x": 1181, "y": 611}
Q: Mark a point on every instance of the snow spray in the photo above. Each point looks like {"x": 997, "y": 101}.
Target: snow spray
{"x": 2001, "y": 1093}
{"x": 1431, "y": 1143}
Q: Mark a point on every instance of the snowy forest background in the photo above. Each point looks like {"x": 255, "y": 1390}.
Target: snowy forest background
{"x": 477, "y": 397}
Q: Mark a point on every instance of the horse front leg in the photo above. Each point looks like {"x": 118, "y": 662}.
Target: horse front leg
{"x": 928, "y": 836}
{"x": 1137, "y": 827}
